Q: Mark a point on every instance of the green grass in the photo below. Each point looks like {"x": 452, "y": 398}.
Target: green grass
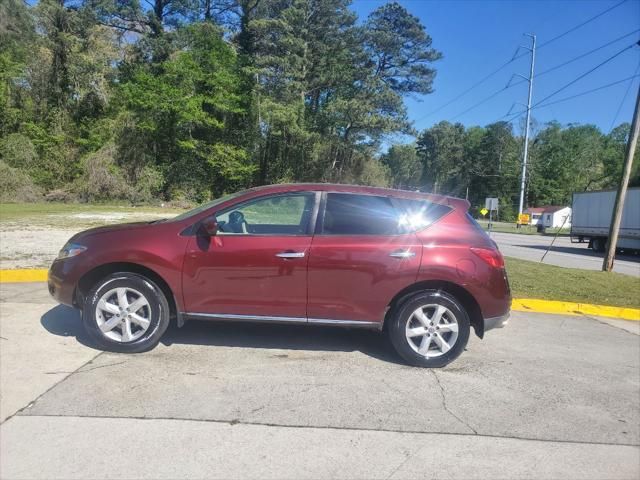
{"x": 506, "y": 227}
{"x": 548, "y": 282}
{"x": 64, "y": 215}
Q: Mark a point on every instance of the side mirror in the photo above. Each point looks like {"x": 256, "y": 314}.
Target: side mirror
{"x": 209, "y": 226}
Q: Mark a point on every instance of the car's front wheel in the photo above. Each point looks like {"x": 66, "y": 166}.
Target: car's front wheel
{"x": 126, "y": 312}
{"x": 430, "y": 329}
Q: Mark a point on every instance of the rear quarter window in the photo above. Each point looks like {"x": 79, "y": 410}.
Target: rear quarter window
{"x": 416, "y": 215}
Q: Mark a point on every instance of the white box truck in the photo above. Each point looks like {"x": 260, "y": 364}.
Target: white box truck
{"x": 591, "y": 218}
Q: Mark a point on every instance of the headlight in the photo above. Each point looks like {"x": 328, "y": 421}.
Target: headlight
{"x": 70, "y": 250}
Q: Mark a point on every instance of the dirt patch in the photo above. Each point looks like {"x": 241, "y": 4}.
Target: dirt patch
{"x": 35, "y": 240}
{"x": 31, "y": 248}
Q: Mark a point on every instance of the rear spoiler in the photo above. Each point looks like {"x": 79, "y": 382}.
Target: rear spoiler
{"x": 458, "y": 203}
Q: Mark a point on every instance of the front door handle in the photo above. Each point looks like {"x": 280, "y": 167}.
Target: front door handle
{"x": 402, "y": 254}
{"x": 290, "y": 254}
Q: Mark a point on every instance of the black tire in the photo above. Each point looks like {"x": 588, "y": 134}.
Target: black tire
{"x": 158, "y": 312}
{"x": 403, "y": 314}
{"x": 598, "y": 244}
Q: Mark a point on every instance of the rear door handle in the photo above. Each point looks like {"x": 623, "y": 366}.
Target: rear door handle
{"x": 290, "y": 254}
{"x": 402, "y": 254}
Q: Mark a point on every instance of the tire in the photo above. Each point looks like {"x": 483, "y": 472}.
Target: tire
{"x": 597, "y": 244}
{"x": 405, "y": 321}
{"x": 117, "y": 329}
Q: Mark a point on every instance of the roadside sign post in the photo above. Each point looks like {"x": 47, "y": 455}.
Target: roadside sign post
{"x": 491, "y": 204}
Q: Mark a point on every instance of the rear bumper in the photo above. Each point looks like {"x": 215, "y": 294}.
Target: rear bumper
{"x": 496, "y": 322}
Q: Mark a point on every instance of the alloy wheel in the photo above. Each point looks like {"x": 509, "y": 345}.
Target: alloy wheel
{"x": 123, "y": 314}
{"x": 432, "y": 330}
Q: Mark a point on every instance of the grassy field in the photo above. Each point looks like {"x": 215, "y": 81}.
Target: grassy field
{"x": 64, "y": 215}
{"x": 547, "y": 282}
{"x": 505, "y": 227}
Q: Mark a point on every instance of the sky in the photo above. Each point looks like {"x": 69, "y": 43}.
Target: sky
{"x": 477, "y": 37}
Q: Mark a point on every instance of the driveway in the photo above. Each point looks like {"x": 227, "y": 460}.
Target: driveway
{"x": 547, "y": 396}
{"x": 563, "y": 253}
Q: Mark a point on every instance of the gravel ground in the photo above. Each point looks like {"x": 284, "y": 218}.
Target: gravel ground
{"x": 34, "y": 243}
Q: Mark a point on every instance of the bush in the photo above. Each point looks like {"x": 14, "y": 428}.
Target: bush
{"x": 17, "y": 151}
{"x": 147, "y": 185}
{"x": 60, "y": 195}
{"x": 101, "y": 178}
{"x": 17, "y": 186}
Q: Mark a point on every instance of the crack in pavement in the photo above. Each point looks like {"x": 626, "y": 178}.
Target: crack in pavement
{"x": 444, "y": 403}
{"x": 34, "y": 401}
{"x": 237, "y": 421}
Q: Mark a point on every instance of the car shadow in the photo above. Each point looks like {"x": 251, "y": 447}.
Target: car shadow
{"x": 584, "y": 251}
{"x": 66, "y": 322}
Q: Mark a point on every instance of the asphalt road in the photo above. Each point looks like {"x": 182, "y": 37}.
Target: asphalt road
{"x": 563, "y": 253}
{"x": 546, "y": 397}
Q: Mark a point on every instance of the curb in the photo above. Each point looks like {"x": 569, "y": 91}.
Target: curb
{"x": 517, "y": 305}
{"x": 570, "y": 308}
{"x": 23, "y": 275}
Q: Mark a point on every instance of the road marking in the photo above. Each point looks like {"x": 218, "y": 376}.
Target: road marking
{"x": 23, "y": 275}
{"x": 570, "y": 308}
{"x": 518, "y": 304}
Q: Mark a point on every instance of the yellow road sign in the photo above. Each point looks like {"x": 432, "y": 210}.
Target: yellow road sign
{"x": 484, "y": 211}
{"x": 523, "y": 219}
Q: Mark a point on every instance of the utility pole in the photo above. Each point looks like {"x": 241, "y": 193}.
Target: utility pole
{"x": 526, "y": 128}
{"x": 616, "y": 218}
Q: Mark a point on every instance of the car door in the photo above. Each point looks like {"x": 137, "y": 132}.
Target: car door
{"x": 256, "y": 263}
{"x": 359, "y": 259}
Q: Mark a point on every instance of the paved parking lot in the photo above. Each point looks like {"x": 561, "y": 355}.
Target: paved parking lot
{"x": 548, "y": 396}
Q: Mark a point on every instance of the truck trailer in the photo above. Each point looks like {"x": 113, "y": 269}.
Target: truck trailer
{"x": 591, "y": 219}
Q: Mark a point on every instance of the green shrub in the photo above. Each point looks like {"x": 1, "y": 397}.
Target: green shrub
{"x": 17, "y": 186}
{"x": 101, "y": 178}
{"x": 17, "y": 151}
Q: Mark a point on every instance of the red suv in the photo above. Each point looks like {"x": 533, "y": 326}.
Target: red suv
{"x": 413, "y": 264}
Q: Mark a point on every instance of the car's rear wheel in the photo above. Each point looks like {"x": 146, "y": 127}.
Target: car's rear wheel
{"x": 430, "y": 329}
{"x": 126, "y": 312}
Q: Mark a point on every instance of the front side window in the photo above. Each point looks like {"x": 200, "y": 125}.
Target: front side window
{"x": 288, "y": 214}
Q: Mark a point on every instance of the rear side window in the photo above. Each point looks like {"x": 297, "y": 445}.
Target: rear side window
{"x": 414, "y": 215}
{"x": 349, "y": 214}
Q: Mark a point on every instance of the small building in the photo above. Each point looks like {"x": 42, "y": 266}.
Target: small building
{"x": 535, "y": 213}
{"x": 550, "y": 216}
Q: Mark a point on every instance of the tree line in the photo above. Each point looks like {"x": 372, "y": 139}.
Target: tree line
{"x": 188, "y": 99}
{"x": 480, "y": 162}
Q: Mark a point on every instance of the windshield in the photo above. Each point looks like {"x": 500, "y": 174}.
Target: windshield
{"x": 206, "y": 206}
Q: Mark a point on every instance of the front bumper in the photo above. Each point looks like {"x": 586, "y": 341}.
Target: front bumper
{"x": 496, "y": 322}
{"x": 61, "y": 281}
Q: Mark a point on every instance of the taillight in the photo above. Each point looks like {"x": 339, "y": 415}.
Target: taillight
{"x": 490, "y": 256}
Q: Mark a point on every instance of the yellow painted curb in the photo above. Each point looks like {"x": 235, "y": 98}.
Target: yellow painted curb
{"x": 570, "y": 308}
{"x": 23, "y": 275}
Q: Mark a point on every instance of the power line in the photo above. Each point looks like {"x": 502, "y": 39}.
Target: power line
{"x": 481, "y": 102}
{"x": 615, "y": 117}
{"x": 479, "y": 82}
{"x": 557, "y": 37}
{"x": 590, "y": 91}
{"x": 586, "y": 92}
{"x": 496, "y": 93}
{"x": 620, "y": 52}
{"x": 515, "y": 57}
{"x": 544, "y": 72}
